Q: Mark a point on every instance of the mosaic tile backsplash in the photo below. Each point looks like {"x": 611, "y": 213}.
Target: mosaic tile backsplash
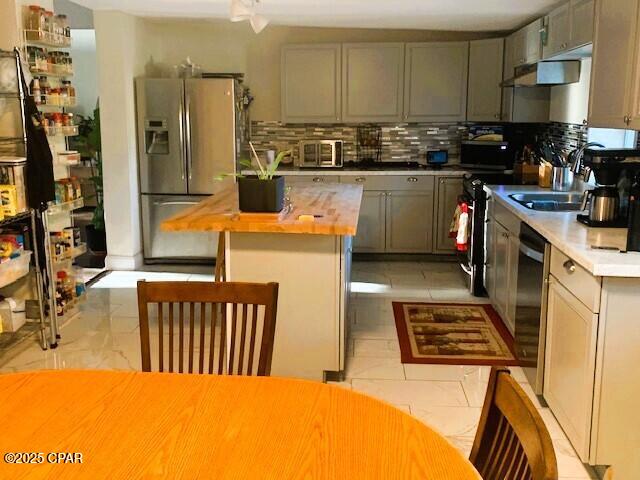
{"x": 407, "y": 141}
{"x": 400, "y": 142}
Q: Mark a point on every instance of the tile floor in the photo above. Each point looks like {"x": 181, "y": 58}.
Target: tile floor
{"x": 446, "y": 397}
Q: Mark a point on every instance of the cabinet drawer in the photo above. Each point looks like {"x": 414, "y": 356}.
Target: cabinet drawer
{"x": 316, "y": 178}
{"x": 576, "y": 279}
{"x": 392, "y": 182}
{"x": 508, "y": 220}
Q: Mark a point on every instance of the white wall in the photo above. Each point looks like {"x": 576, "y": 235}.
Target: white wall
{"x": 119, "y": 38}
{"x": 85, "y": 65}
{"x": 223, "y": 46}
{"x": 10, "y": 18}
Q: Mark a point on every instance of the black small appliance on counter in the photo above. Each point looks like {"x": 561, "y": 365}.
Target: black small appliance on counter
{"x": 617, "y": 169}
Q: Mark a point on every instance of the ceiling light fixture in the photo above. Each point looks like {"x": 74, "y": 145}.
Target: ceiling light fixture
{"x": 240, "y": 11}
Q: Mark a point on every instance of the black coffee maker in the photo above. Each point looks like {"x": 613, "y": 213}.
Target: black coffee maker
{"x": 618, "y": 170}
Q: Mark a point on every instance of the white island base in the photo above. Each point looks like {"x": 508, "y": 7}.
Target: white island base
{"x": 313, "y": 273}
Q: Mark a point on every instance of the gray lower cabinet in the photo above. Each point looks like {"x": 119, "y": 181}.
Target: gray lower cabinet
{"x": 409, "y": 222}
{"x": 371, "y": 223}
{"x": 311, "y": 83}
{"x": 570, "y": 363}
{"x": 372, "y": 82}
{"x": 448, "y": 189}
{"x": 501, "y": 269}
{"x": 435, "y": 81}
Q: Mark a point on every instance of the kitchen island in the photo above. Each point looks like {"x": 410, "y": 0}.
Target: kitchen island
{"x": 310, "y": 260}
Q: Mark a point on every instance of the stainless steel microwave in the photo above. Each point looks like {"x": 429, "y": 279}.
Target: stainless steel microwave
{"x": 487, "y": 155}
{"x": 320, "y": 153}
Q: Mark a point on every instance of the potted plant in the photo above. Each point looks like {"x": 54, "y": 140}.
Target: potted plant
{"x": 264, "y": 191}
{"x": 89, "y": 145}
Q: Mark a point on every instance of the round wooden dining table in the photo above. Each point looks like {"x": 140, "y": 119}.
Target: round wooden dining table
{"x": 86, "y": 424}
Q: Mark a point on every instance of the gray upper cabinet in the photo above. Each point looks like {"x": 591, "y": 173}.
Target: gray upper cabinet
{"x": 372, "y": 75}
{"x": 558, "y": 33}
{"x": 485, "y": 76}
{"x": 533, "y": 41}
{"x": 311, "y": 83}
{"x": 518, "y": 50}
{"x": 567, "y": 28}
{"x": 527, "y": 44}
{"x": 448, "y": 190}
{"x": 614, "y": 81}
{"x": 582, "y": 12}
{"x": 436, "y": 82}
{"x": 509, "y": 57}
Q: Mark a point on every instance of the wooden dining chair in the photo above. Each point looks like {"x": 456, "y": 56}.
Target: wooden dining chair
{"x": 220, "y": 269}
{"x": 512, "y": 441}
{"x": 230, "y": 324}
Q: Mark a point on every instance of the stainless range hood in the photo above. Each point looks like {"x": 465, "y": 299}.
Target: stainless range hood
{"x": 545, "y": 74}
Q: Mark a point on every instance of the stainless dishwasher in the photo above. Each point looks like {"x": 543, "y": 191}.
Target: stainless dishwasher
{"x": 531, "y": 304}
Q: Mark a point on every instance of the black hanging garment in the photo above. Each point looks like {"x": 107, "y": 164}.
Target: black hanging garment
{"x": 40, "y": 180}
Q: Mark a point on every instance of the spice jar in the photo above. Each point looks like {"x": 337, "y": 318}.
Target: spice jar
{"x": 35, "y": 22}
{"x": 69, "y": 91}
{"x": 35, "y": 91}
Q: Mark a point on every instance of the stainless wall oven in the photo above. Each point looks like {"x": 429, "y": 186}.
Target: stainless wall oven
{"x": 531, "y": 304}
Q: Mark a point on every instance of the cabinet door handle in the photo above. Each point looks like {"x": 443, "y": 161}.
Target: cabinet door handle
{"x": 317, "y": 179}
{"x": 412, "y": 179}
{"x": 569, "y": 266}
{"x": 361, "y": 179}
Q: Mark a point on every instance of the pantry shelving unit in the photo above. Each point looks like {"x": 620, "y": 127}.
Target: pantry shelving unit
{"x": 58, "y": 215}
{"x": 28, "y": 219}
{"x": 55, "y": 265}
{"x": 16, "y": 144}
{"x": 54, "y": 216}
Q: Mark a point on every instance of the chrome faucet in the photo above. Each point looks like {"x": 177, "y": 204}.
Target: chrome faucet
{"x": 578, "y": 155}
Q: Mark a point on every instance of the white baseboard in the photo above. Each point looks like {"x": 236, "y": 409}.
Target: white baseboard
{"x": 121, "y": 262}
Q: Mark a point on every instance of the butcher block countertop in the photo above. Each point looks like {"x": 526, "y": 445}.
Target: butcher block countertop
{"x": 335, "y": 208}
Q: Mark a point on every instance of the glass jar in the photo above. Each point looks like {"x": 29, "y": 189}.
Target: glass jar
{"x": 48, "y": 23}
{"x": 35, "y": 21}
{"x": 65, "y": 30}
{"x": 70, "y": 90}
{"x": 35, "y": 91}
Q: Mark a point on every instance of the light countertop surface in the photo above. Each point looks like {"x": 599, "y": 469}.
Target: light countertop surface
{"x": 335, "y": 208}
{"x": 574, "y": 239}
{"x": 443, "y": 172}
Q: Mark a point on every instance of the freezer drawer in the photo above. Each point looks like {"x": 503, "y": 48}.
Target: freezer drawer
{"x": 158, "y": 244}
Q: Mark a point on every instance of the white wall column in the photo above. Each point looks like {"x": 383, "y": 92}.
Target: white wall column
{"x": 119, "y": 62}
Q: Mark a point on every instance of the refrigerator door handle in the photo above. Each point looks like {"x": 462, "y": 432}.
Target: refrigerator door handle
{"x": 176, "y": 202}
{"x": 183, "y": 166}
{"x": 187, "y": 103}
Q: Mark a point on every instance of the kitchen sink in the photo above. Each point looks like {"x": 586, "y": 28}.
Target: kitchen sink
{"x": 550, "y": 202}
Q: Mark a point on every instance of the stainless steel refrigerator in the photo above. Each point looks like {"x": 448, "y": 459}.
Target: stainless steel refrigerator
{"x": 189, "y": 131}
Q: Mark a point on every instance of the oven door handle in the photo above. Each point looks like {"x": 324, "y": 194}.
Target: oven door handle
{"x": 531, "y": 252}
